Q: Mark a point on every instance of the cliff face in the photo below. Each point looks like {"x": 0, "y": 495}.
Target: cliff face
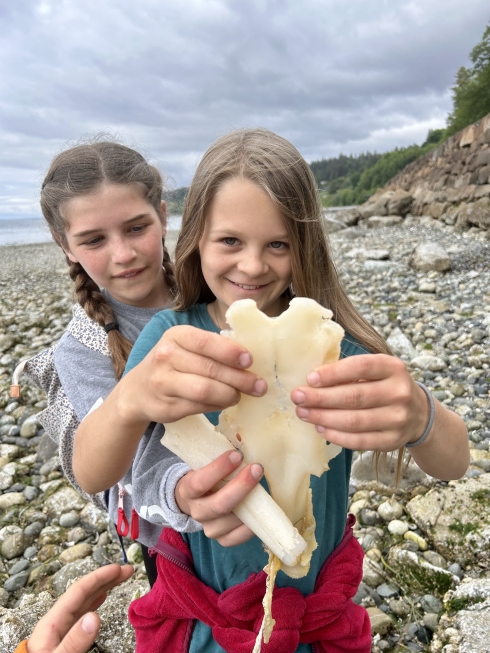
{"x": 451, "y": 183}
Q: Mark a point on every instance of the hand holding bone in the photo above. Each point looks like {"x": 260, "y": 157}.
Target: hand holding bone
{"x": 197, "y": 496}
{"x": 366, "y": 403}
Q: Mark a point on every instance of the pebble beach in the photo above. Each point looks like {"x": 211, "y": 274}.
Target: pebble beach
{"x": 414, "y": 574}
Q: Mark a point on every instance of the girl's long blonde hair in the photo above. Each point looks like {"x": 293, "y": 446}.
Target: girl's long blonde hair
{"x": 275, "y": 166}
{"x": 81, "y": 170}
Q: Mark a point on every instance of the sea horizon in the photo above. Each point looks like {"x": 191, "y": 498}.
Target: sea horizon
{"x": 28, "y": 230}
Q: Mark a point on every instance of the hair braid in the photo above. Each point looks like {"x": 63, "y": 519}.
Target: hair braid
{"x": 98, "y": 309}
{"x": 168, "y": 267}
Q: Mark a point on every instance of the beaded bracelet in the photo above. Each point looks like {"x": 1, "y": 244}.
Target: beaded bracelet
{"x": 430, "y": 423}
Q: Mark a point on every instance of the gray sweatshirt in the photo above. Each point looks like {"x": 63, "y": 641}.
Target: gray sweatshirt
{"x": 88, "y": 378}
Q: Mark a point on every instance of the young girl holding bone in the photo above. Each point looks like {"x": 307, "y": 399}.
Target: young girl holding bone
{"x": 252, "y": 228}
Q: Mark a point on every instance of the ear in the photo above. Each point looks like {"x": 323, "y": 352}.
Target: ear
{"x": 65, "y": 248}
{"x": 69, "y": 254}
{"x": 163, "y": 209}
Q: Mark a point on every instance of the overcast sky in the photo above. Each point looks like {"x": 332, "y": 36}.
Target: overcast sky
{"x": 169, "y": 76}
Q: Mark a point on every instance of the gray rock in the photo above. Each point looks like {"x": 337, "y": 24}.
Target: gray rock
{"x": 369, "y": 517}
{"x": 19, "y": 566}
{"x": 33, "y": 529}
{"x": 366, "y": 595}
{"x": 430, "y": 256}
{"x": 430, "y": 603}
{"x": 384, "y": 220}
{"x": 69, "y": 519}
{"x": 425, "y": 362}
{"x": 64, "y": 500}
{"x": 15, "y": 582}
{"x": 13, "y": 546}
{"x": 30, "y": 493}
{"x": 6, "y": 480}
{"x": 50, "y": 466}
{"x": 11, "y": 499}
{"x": 116, "y": 634}
{"x": 29, "y": 428}
{"x": 431, "y": 620}
{"x": 72, "y": 571}
{"x": 388, "y": 590}
{"x": 401, "y": 344}
{"x": 390, "y": 509}
{"x": 456, "y": 570}
{"x": 76, "y": 534}
{"x": 93, "y": 519}
{"x": 30, "y": 552}
{"x": 46, "y": 448}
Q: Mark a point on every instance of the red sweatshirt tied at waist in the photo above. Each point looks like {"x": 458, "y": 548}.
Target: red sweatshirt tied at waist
{"x": 328, "y": 619}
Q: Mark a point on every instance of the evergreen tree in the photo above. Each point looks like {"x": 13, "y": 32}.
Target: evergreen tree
{"x": 471, "y": 92}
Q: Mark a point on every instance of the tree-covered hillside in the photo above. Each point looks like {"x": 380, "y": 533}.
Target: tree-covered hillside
{"x": 353, "y": 179}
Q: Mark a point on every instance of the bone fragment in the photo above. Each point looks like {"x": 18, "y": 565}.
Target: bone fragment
{"x": 284, "y": 349}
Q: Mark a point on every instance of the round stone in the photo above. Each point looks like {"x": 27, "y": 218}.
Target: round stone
{"x": 30, "y": 552}
{"x": 388, "y": 590}
{"x": 369, "y": 517}
{"x": 397, "y": 527}
{"x": 16, "y": 582}
{"x": 11, "y": 499}
{"x": 30, "y": 493}
{"x": 76, "y": 534}
{"x": 456, "y": 570}
{"x": 13, "y": 546}
{"x": 430, "y": 603}
{"x": 20, "y": 565}
{"x": 29, "y": 428}
{"x": 431, "y": 620}
{"x": 69, "y": 519}
{"x": 399, "y": 607}
{"x": 76, "y": 552}
{"x": 389, "y": 510}
{"x": 33, "y": 529}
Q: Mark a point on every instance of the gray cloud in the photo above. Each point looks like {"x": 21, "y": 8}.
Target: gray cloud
{"x": 332, "y": 76}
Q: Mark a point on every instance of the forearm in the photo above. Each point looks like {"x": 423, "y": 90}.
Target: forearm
{"x": 445, "y": 453}
{"x": 110, "y": 433}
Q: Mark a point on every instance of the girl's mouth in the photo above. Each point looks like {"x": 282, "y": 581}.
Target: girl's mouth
{"x": 244, "y": 286}
{"x": 128, "y": 274}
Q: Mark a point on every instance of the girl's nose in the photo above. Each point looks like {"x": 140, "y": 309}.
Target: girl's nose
{"x": 123, "y": 251}
{"x": 253, "y": 265}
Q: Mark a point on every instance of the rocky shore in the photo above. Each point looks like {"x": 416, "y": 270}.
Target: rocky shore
{"x": 427, "y": 542}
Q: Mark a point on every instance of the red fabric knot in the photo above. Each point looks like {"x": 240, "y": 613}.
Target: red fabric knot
{"x": 163, "y": 618}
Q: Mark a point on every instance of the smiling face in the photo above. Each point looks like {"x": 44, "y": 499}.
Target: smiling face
{"x": 116, "y": 236}
{"x": 244, "y": 250}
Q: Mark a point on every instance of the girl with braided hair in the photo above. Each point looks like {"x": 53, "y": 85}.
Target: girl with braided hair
{"x": 103, "y": 204}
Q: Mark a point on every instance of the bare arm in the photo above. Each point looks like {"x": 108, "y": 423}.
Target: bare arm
{"x": 189, "y": 371}
{"x": 371, "y": 403}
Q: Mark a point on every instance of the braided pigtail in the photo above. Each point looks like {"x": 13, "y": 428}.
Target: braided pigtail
{"x": 99, "y": 310}
{"x": 168, "y": 267}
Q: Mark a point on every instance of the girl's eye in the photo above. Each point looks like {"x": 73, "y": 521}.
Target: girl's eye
{"x": 229, "y": 241}
{"x": 93, "y": 241}
{"x": 138, "y": 228}
{"x": 278, "y": 244}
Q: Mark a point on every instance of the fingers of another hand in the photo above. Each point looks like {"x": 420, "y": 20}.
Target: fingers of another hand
{"x": 236, "y": 536}
{"x": 80, "y": 637}
{"x": 87, "y": 593}
{"x": 199, "y": 483}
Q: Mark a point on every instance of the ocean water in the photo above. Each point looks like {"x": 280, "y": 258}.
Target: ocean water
{"x": 33, "y": 230}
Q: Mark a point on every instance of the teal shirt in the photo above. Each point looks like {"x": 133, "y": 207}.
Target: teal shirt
{"x": 221, "y": 567}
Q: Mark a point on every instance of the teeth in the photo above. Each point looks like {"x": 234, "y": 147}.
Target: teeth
{"x": 241, "y": 285}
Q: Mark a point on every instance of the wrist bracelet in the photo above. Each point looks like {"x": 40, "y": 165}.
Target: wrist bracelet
{"x": 432, "y": 413}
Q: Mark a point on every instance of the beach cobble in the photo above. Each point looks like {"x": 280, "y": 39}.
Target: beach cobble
{"x": 437, "y": 321}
